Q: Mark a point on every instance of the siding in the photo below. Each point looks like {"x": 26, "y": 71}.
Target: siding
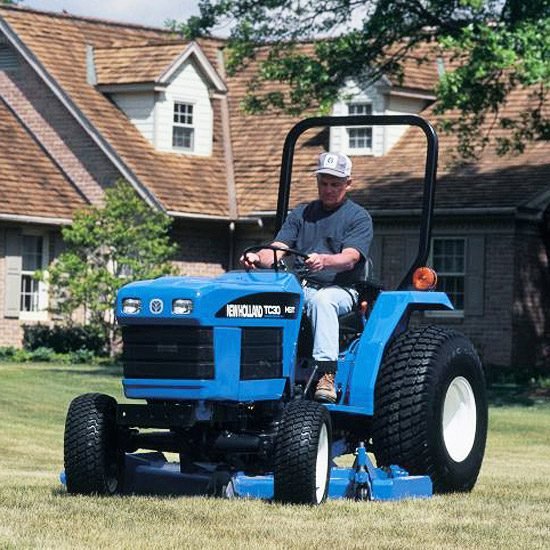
{"x": 139, "y": 108}
{"x": 188, "y": 86}
{"x": 338, "y": 136}
{"x": 400, "y": 106}
{"x": 383, "y": 103}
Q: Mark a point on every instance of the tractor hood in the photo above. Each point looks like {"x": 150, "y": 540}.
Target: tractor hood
{"x": 238, "y": 295}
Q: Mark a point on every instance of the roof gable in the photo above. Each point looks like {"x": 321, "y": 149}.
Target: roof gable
{"x": 151, "y": 63}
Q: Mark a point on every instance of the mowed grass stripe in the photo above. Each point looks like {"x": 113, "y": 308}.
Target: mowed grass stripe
{"x": 509, "y": 507}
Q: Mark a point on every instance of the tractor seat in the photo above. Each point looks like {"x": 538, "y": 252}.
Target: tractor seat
{"x": 352, "y": 322}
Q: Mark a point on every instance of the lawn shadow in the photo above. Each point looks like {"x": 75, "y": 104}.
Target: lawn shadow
{"x": 502, "y": 395}
{"x": 112, "y": 371}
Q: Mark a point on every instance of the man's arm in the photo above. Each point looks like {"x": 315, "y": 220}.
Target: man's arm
{"x": 344, "y": 261}
{"x": 262, "y": 258}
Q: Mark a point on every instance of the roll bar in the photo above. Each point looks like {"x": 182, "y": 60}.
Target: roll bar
{"x": 368, "y": 120}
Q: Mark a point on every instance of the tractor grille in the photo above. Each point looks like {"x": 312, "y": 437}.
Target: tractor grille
{"x": 261, "y": 353}
{"x": 164, "y": 351}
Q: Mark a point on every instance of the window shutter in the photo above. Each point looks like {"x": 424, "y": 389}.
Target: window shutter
{"x": 411, "y": 245}
{"x": 57, "y": 246}
{"x": 474, "y": 275}
{"x": 12, "y": 296}
{"x": 375, "y": 254}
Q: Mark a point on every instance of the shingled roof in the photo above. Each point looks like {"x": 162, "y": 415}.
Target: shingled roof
{"x": 141, "y": 63}
{"x": 390, "y": 182}
{"x": 190, "y": 185}
{"x": 24, "y": 164}
{"x": 58, "y": 43}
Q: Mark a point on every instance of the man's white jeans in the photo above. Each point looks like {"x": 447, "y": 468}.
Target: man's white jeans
{"x": 323, "y": 306}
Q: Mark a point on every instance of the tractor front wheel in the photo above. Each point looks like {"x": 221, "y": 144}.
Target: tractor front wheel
{"x": 93, "y": 463}
{"x": 302, "y": 454}
{"x": 431, "y": 408}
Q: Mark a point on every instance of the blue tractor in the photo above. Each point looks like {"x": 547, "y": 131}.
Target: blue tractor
{"x": 221, "y": 368}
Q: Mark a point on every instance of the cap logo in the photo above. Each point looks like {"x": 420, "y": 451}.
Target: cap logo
{"x": 330, "y": 161}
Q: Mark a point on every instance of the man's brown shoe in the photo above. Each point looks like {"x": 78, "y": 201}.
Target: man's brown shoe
{"x": 325, "y": 391}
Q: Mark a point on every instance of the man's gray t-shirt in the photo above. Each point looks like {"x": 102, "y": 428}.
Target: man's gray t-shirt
{"x": 310, "y": 228}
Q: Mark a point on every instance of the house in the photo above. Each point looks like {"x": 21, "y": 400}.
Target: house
{"x": 84, "y": 102}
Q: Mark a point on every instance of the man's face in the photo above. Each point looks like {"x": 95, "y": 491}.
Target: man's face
{"x": 332, "y": 190}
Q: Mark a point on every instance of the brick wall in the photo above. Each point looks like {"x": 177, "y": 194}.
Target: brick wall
{"x": 203, "y": 247}
{"x": 531, "y": 305}
{"x": 61, "y": 121}
{"x": 490, "y": 331}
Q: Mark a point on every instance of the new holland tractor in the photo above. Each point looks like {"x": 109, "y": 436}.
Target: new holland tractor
{"x": 220, "y": 367}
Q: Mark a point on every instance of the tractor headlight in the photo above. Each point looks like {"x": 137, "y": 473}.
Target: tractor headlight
{"x": 131, "y": 305}
{"x": 182, "y": 306}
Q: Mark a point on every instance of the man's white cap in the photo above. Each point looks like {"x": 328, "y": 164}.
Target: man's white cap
{"x": 335, "y": 164}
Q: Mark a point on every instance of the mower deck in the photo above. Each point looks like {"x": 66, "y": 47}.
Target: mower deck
{"x": 151, "y": 473}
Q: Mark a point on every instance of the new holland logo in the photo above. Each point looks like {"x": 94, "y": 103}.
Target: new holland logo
{"x": 156, "y": 306}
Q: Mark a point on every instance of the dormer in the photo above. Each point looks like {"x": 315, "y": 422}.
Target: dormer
{"x": 165, "y": 90}
{"x": 388, "y": 96}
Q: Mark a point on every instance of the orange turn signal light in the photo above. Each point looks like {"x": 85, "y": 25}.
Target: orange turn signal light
{"x": 424, "y": 278}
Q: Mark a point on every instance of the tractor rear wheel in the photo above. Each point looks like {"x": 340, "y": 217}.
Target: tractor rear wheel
{"x": 302, "y": 454}
{"x": 93, "y": 464}
{"x": 431, "y": 408}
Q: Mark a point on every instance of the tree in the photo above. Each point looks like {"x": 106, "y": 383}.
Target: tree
{"x": 107, "y": 247}
{"x": 494, "y": 46}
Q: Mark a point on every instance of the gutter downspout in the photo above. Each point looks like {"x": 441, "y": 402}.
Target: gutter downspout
{"x": 229, "y": 162}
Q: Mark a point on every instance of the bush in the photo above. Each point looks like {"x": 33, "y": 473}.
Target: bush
{"x": 21, "y": 356}
{"x": 63, "y": 339}
{"x": 43, "y": 355}
{"x": 48, "y": 355}
{"x": 81, "y": 356}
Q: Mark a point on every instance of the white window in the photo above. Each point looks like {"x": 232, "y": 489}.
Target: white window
{"x": 359, "y": 137}
{"x": 183, "y": 133}
{"x": 33, "y": 296}
{"x": 448, "y": 260}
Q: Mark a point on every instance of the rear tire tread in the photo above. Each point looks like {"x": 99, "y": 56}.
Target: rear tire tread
{"x": 400, "y": 428}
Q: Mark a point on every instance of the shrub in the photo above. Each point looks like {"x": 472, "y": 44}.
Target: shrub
{"x": 21, "y": 356}
{"x": 44, "y": 355}
{"x": 6, "y": 354}
{"x": 81, "y": 356}
{"x": 63, "y": 339}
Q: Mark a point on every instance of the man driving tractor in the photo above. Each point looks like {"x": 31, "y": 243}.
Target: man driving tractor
{"x": 335, "y": 233}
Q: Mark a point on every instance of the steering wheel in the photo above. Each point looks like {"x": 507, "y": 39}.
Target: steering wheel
{"x": 275, "y": 249}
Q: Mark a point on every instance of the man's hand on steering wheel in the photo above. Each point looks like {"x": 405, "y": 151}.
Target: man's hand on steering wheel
{"x": 315, "y": 262}
{"x": 266, "y": 255}
{"x": 250, "y": 260}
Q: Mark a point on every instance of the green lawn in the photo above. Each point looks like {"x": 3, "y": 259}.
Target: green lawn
{"x": 509, "y": 507}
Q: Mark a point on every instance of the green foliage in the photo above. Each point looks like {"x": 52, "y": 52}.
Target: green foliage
{"x": 48, "y": 355}
{"x": 496, "y": 47}
{"x": 64, "y": 339}
{"x": 107, "y": 247}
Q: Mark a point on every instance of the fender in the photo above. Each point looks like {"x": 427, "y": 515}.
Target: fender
{"x": 388, "y": 318}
